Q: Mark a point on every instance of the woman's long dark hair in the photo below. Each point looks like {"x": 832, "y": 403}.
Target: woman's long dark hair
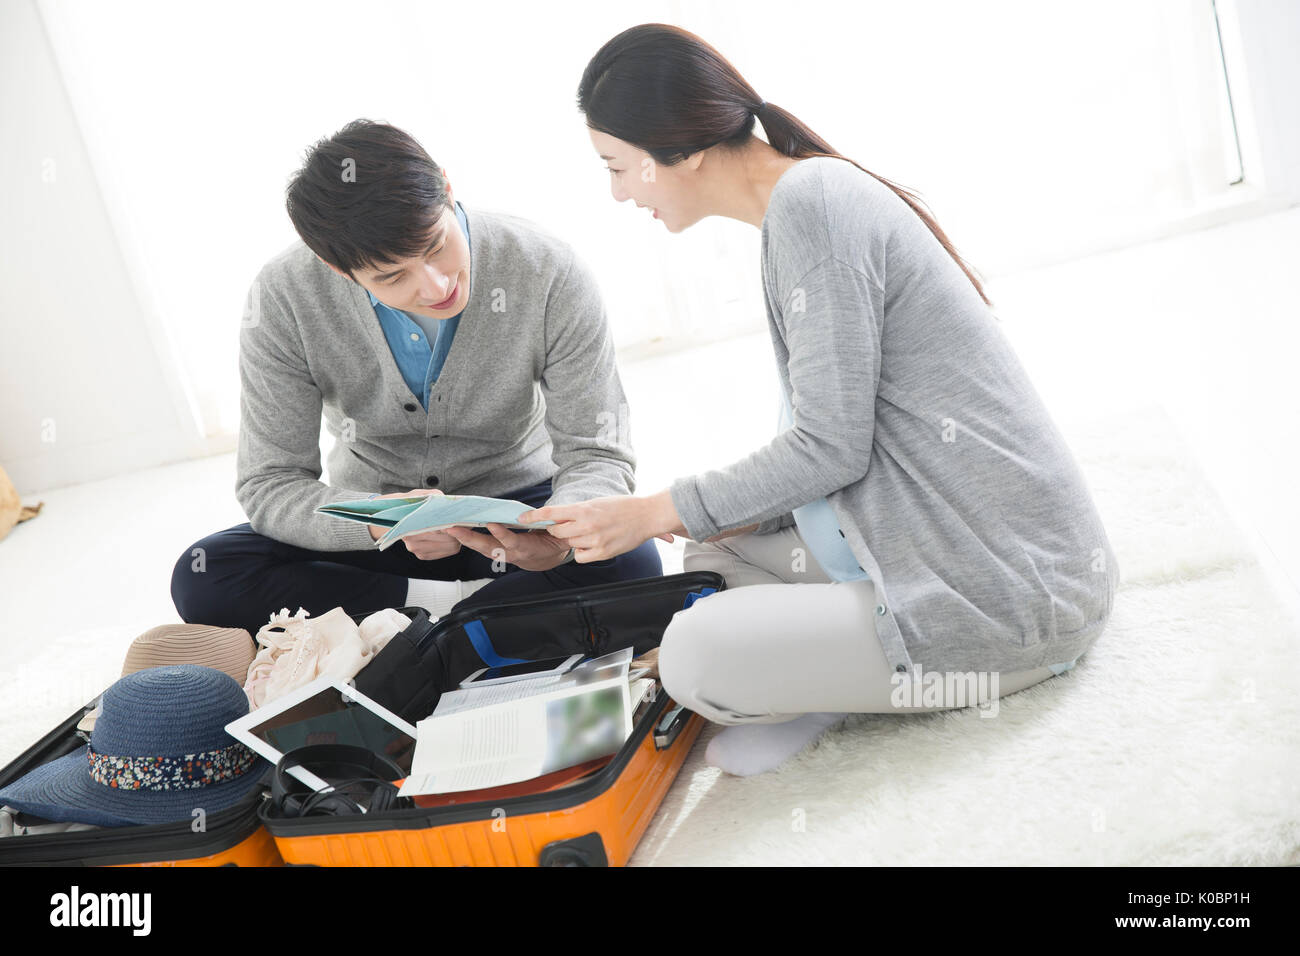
{"x": 666, "y": 91}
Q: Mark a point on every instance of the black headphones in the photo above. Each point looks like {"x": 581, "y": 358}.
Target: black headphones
{"x": 360, "y": 774}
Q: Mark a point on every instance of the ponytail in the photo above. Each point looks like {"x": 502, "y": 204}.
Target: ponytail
{"x": 666, "y": 91}
{"x": 790, "y": 137}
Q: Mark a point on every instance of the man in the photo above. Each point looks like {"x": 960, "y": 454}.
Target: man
{"x": 452, "y": 350}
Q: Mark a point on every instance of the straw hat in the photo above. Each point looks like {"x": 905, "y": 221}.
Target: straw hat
{"x": 227, "y": 649}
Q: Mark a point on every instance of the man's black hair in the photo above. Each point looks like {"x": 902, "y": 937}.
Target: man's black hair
{"x": 366, "y": 197}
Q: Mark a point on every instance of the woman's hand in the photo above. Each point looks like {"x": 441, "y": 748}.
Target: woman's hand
{"x": 530, "y": 550}
{"x": 605, "y": 527}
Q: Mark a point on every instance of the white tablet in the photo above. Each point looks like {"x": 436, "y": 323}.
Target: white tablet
{"x": 326, "y": 711}
{"x": 525, "y": 670}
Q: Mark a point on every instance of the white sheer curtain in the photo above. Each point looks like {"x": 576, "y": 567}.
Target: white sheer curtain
{"x": 1031, "y": 130}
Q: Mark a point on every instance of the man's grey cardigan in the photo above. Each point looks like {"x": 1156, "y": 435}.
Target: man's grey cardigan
{"x": 529, "y": 390}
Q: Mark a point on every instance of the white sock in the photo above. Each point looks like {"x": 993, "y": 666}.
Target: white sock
{"x": 438, "y": 597}
{"x": 745, "y": 749}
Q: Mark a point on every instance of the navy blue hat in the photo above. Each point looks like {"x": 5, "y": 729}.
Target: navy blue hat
{"x": 158, "y": 752}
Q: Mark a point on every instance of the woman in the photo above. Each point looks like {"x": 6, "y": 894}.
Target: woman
{"x": 919, "y": 512}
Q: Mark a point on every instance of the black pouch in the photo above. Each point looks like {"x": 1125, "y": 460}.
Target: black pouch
{"x": 418, "y": 665}
{"x": 401, "y": 672}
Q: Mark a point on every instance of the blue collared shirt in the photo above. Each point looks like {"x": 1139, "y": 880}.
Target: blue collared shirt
{"x": 408, "y": 337}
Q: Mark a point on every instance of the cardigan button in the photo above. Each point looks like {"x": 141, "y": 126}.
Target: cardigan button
{"x": 431, "y": 481}
{"x": 409, "y": 406}
{"x": 901, "y": 669}
{"x": 880, "y": 609}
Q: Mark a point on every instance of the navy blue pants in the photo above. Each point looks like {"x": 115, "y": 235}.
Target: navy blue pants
{"x": 243, "y": 577}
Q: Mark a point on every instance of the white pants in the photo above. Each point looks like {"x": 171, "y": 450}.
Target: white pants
{"x": 784, "y": 640}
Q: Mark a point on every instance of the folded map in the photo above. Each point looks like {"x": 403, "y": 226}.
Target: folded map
{"x": 420, "y": 513}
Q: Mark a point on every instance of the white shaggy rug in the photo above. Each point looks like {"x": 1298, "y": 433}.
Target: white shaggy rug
{"x": 1175, "y": 741}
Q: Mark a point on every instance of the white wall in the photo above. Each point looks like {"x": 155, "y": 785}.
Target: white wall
{"x": 84, "y": 391}
{"x": 1035, "y": 132}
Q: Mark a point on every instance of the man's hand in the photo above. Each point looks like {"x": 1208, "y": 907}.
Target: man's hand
{"x": 428, "y": 545}
{"x": 529, "y": 550}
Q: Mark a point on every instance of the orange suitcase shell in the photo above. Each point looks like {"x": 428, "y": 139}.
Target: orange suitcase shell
{"x": 232, "y": 837}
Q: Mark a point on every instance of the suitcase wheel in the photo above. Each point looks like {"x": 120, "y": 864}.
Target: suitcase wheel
{"x": 586, "y": 850}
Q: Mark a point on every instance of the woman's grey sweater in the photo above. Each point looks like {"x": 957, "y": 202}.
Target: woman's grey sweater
{"x": 913, "y": 416}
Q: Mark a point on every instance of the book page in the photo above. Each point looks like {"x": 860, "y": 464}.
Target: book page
{"x": 468, "y": 698}
{"x": 477, "y": 749}
{"x": 506, "y": 733}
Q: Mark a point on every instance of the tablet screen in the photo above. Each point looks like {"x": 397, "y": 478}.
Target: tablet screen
{"x": 326, "y": 718}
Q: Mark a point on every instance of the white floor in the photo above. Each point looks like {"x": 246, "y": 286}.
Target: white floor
{"x": 1205, "y": 324}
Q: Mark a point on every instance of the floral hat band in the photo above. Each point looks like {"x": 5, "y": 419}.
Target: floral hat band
{"x": 187, "y": 772}
{"x": 176, "y": 715}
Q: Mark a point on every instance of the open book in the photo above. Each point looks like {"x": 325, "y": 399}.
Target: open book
{"x": 489, "y": 736}
{"x": 643, "y": 695}
{"x": 419, "y": 513}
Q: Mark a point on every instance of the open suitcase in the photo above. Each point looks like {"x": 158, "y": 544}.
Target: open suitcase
{"x": 596, "y": 820}
{"x": 614, "y": 805}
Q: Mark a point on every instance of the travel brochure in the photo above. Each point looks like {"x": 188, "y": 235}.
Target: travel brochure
{"x": 419, "y": 513}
